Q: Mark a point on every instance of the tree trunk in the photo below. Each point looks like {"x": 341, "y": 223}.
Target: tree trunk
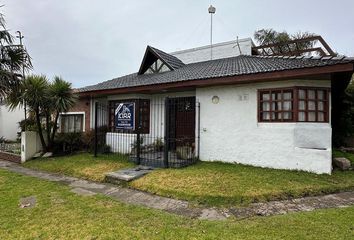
{"x": 47, "y": 123}
{"x": 55, "y": 127}
{"x": 40, "y": 132}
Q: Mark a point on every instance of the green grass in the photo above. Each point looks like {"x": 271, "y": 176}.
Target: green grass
{"x": 60, "y": 214}
{"x": 349, "y": 156}
{"x": 209, "y": 183}
{"x": 222, "y": 184}
{"x": 81, "y": 165}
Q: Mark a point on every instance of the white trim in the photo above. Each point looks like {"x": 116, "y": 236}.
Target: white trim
{"x": 74, "y": 113}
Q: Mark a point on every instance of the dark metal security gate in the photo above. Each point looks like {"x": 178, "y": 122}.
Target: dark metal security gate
{"x": 157, "y": 133}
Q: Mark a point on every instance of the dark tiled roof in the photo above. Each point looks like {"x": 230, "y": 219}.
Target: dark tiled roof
{"x": 172, "y": 61}
{"x": 235, "y": 66}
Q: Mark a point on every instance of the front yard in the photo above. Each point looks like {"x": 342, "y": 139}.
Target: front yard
{"x": 61, "y": 214}
{"x": 81, "y": 165}
{"x": 209, "y": 183}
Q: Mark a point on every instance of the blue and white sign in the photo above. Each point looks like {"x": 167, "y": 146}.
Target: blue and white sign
{"x": 125, "y": 116}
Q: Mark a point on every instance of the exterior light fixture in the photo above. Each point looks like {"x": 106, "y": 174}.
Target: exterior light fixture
{"x": 215, "y": 99}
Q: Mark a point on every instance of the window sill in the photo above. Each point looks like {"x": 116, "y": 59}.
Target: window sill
{"x": 291, "y": 124}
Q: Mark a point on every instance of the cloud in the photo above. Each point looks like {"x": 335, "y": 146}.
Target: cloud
{"x": 92, "y": 41}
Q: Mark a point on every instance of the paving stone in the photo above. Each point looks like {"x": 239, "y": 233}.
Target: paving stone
{"x": 211, "y": 214}
{"x": 37, "y": 155}
{"x": 47, "y": 155}
{"x": 127, "y": 175}
{"x": 131, "y": 196}
{"x": 83, "y": 192}
{"x": 28, "y": 202}
{"x": 86, "y": 184}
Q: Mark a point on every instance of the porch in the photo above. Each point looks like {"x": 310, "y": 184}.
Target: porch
{"x": 156, "y": 131}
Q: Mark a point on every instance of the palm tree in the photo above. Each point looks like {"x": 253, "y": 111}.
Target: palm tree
{"x": 45, "y": 101}
{"x": 62, "y": 100}
{"x": 13, "y": 60}
{"x": 34, "y": 92}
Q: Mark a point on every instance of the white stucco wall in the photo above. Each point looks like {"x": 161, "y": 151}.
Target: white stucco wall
{"x": 220, "y": 50}
{"x": 9, "y": 122}
{"x": 230, "y": 131}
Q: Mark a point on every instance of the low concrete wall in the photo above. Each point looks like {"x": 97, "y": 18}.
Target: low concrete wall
{"x": 30, "y": 145}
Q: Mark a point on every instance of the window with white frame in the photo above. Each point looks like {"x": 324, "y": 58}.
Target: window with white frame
{"x": 72, "y": 122}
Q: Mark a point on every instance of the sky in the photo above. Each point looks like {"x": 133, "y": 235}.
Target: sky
{"x": 87, "y": 42}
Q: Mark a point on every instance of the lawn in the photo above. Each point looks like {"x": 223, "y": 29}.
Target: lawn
{"x": 81, "y": 165}
{"x": 60, "y": 214}
{"x": 209, "y": 183}
{"x": 222, "y": 184}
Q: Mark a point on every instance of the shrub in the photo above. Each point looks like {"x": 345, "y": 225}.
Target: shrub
{"x": 68, "y": 143}
{"x": 88, "y": 140}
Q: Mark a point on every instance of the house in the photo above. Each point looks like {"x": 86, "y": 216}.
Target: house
{"x": 268, "y": 111}
{"x": 9, "y": 121}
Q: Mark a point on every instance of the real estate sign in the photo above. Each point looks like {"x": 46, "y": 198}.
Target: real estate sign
{"x": 125, "y": 116}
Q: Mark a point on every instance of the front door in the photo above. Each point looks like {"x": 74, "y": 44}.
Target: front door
{"x": 182, "y": 122}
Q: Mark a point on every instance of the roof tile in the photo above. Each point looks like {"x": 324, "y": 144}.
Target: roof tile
{"x": 234, "y": 66}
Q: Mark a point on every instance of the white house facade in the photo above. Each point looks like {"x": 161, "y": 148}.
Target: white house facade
{"x": 274, "y": 112}
{"x": 9, "y": 120}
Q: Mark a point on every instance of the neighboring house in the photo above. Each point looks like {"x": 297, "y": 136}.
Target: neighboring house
{"x": 9, "y": 121}
{"x": 272, "y": 112}
{"x": 78, "y": 119}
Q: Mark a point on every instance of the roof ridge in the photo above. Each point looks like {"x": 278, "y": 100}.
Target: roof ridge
{"x": 324, "y": 58}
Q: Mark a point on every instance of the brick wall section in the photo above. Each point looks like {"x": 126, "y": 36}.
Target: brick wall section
{"x": 83, "y": 105}
{"x": 10, "y": 157}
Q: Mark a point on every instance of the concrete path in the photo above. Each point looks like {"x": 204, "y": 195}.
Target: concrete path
{"x": 131, "y": 196}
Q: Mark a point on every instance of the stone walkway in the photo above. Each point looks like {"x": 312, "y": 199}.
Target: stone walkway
{"x": 131, "y": 196}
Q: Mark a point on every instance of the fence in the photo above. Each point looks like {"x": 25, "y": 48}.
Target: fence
{"x": 159, "y": 133}
{"x": 10, "y": 152}
{"x": 14, "y": 148}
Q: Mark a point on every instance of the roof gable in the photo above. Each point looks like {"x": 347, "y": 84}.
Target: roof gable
{"x": 153, "y": 55}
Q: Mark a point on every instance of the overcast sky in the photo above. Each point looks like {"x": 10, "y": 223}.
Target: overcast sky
{"x": 87, "y": 42}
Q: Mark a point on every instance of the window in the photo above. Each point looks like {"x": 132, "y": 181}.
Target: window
{"x": 298, "y": 104}
{"x": 142, "y": 108}
{"x": 71, "y": 123}
{"x": 277, "y": 105}
{"x": 313, "y": 105}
